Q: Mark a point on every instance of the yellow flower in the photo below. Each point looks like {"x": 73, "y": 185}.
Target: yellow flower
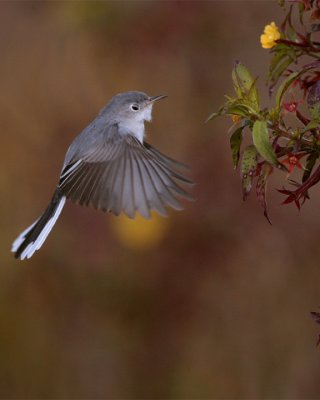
{"x": 270, "y": 35}
{"x": 139, "y": 233}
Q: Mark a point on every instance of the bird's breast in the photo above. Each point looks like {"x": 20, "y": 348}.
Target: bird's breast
{"x": 134, "y": 128}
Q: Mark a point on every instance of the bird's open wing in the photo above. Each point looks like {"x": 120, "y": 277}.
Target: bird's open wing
{"x": 119, "y": 174}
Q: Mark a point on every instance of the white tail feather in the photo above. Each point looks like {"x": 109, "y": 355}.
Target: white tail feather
{"x": 16, "y": 244}
{"x": 33, "y": 246}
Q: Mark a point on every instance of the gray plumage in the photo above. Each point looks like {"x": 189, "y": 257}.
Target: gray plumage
{"x": 109, "y": 166}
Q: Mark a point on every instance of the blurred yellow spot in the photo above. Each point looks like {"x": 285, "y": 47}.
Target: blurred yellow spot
{"x": 270, "y": 35}
{"x": 235, "y": 118}
{"x": 140, "y": 233}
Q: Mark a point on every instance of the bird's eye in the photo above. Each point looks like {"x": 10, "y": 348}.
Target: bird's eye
{"x": 134, "y": 107}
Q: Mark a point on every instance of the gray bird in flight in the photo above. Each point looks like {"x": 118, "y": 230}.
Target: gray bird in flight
{"x": 109, "y": 166}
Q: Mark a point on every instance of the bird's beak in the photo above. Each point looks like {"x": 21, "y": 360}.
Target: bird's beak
{"x": 156, "y": 98}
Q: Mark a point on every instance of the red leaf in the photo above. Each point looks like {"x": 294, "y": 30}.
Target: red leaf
{"x": 261, "y": 188}
{"x": 292, "y": 197}
{"x": 302, "y": 191}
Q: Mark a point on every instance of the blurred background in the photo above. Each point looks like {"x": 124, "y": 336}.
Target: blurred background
{"x": 212, "y": 302}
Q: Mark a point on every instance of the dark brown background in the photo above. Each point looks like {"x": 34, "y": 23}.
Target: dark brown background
{"x": 219, "y": 307}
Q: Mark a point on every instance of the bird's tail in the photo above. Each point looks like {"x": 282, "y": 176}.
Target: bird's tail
{"x": 33, "y": 237}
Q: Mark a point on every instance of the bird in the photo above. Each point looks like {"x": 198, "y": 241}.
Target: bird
{"x": 110, "y": 166}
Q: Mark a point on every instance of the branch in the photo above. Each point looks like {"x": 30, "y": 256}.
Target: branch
{"x": 305, "y": 46}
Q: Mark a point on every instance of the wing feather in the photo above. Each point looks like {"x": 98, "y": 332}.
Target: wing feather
{"x": 154, "y": 199}
{"x": 102, "y": 191}
{"x": 116, "y": 188}
{"x": 165, "y": 159}
{"x": 120, "y": 174}
{"x": 164, "y": 183}
{"x": 70, "y": 183}
{"x": 140, "y": 194}
{"x": 169, "y": 183}
{"x": 127, "y": 198}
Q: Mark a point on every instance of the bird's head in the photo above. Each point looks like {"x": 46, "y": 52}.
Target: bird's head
{"x": 135, "y": 106}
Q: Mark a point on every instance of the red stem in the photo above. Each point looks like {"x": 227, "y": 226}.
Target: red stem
{"x": 303, "y": 119}
{"x": 305, "y": 46}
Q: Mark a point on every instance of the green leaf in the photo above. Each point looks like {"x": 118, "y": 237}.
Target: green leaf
{"x": 221, "y": 111}
{"x": 315, "y": 112}
{"x": 253, "y": 94}
{"x": 301, "y": 12}
{"x": 242, "y": 77}
{"x": 234, "y": 107}
{"x": 310, "y": 163}
{"x": 242, "y": 107}
{"x": 236, "y": 83}
{"x": 248, "y": 168}
{"x": 235, "y": 144}
{"x": 237, "y": 110}
{"x": 281, "y": 67}
{"x": 245, "y": 84}
{"x": 279, "y": 53}
{"x": 313, "y": 124}
{"x": 260, "y": 136}
{"x": 284, "y": 86}
{"x": 291, "y": 34}
{"x": 290, "y": 31}
{"x": 213, "y": 116}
